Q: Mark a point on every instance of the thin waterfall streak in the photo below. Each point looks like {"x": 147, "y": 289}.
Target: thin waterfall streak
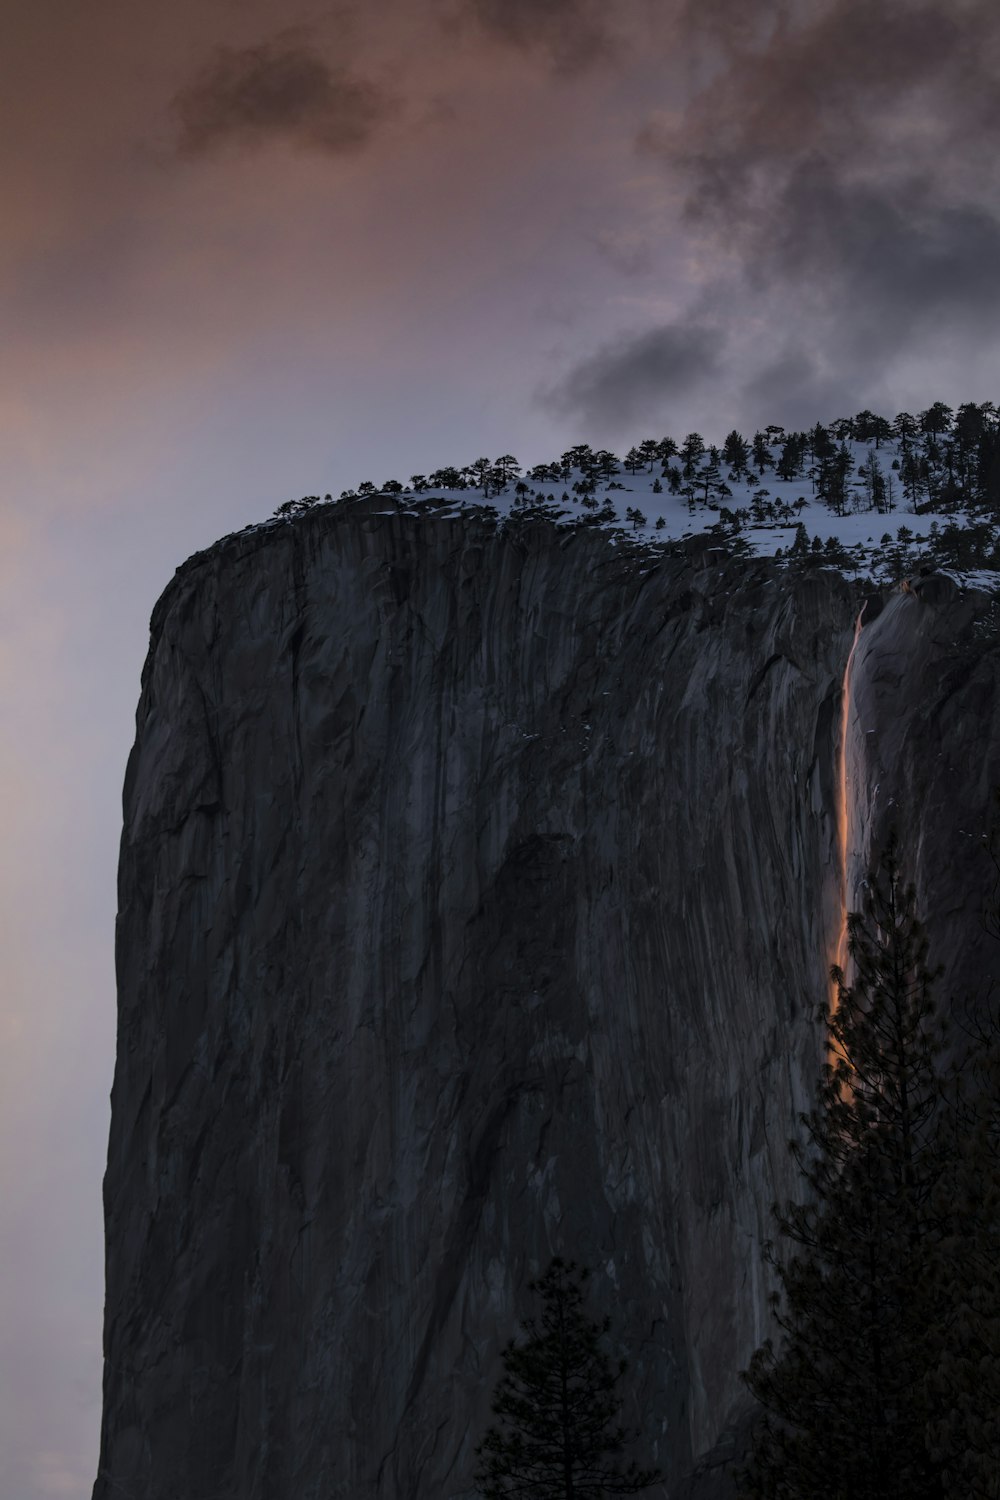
{"x": 843, "y": 813}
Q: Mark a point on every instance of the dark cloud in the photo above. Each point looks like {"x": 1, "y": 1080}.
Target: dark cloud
{"x": 798, "y": 388}
{"x": 281, "y": 90}
{"x": 573, "y": 34}
{"x": 873, "y": 86}
{"x": 729, "y": 26}
{"x": 891, "y": 259}
{"x": 629, "y": 380}
{"x": 846, "y": 162}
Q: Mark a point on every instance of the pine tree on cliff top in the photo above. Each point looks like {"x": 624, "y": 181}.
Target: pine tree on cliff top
{"x": 558, "y": 1437}
{"x": 846, "y": 1401}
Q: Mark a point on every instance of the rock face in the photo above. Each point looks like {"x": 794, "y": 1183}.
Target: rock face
{"x": 923, "y": 752}
{"x": 477, "y": 892}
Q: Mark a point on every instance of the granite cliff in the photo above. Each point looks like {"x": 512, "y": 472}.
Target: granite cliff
{"x": 477, "y": 893}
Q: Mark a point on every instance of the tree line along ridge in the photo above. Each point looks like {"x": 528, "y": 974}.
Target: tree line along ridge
{"x": 941, "y": 466}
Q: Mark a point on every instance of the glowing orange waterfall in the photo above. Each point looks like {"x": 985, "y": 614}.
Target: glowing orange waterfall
{"x": 843, "y": 812}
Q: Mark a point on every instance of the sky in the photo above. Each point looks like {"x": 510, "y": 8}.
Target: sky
{"x": 255, "y": 250}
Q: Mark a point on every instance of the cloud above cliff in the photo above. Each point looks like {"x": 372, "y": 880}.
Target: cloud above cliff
{"x": 835, "y": 197}
{"x": 628, "y": 380}
{"x": 847, "y": 165}
{"x": 837, "y": 185}
{"x": 280, "y": 90}
{"x": 890, "y": 260}
{"x": 573, "y": 34}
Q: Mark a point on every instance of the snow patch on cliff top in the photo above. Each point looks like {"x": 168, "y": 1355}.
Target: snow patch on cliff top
{"x": 756, "y": 513}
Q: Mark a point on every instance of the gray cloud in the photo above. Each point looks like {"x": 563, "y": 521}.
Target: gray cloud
{"x": 845, "y": 161}
{"x": 574, "y": 34}
{"x": 629, "y": 380}
{"x": 891, "y": 259}
{"x": 282, "y": 89}
{"x": 729, "y": 26}
{"x": 874, "y": 83}
{"x": 798, "y": 388}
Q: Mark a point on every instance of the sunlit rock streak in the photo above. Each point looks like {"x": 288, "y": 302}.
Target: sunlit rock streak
{"x": 844, "y": 795}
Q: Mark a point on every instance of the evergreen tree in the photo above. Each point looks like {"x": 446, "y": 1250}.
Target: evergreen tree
{"x": 507, "y": 467}
{"x": 832, "y": 479}
{"x": 762, "y": 453}
{"x": 821, "y": 444}
{"x": 905, "y": 428}
{"x": 480, "y": 471}
{"x": 988, "y": 471}
{"x": 936, "y": 419}
{"x": 447, "y": 479}
{"x": 871, "y": 428}
{"x": 964, "y": 1368}
{"x": 691, "y": 452}
{"x": 710, "y": 479}
{"x": 558, "y": 1436}
{"x": 800, "y": 545}
{"x": 649, "y": 448}
{"x": 847, "y": 1404}
{"x": 911, "y": 472}
{"x": 874, "y": 481}
{"x": 963, "y": 1363}
{"x": 789, "y": 464}
{"x": 581, "y": 457}
{"x": 736, "y": 452}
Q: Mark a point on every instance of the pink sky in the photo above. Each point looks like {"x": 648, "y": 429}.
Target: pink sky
{"x": 255, "y": 251}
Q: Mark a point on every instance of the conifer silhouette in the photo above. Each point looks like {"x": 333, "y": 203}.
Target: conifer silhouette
{"x": 846, "y": 1401}
{"x": 558, "y": 1436}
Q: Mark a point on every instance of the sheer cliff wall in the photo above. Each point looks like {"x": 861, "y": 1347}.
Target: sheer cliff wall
{"x": 477, "y": 892}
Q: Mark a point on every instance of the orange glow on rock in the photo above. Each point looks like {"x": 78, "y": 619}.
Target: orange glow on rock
{"x": 843, "y": 810}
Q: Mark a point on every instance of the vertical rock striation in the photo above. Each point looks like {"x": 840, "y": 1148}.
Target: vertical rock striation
{"x": 476, "y": 896}
{"x": 923, "y": 748}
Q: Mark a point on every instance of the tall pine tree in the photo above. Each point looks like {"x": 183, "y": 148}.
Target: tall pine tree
{"x": 963, "y": 1374}
{"x": 846, "y": 1404}
{"x": 558, "y": 1435}
{"x": 962, "y": 1278}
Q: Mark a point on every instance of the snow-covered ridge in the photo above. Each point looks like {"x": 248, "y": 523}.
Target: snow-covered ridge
{"x": 874, "y": 498}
